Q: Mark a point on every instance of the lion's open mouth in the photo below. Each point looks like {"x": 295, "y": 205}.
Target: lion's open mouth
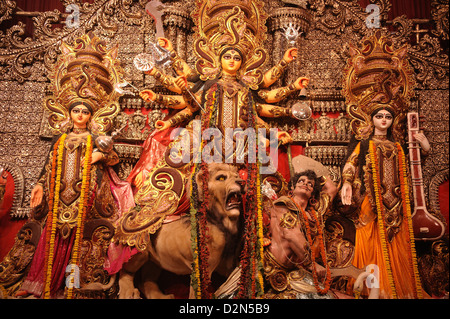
{"x": 234, "y": 200}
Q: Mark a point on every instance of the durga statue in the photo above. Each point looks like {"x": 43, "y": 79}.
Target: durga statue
{"x": 226, "y": 92}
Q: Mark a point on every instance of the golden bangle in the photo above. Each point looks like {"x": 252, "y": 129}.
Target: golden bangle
{"x": 348, "y": 176}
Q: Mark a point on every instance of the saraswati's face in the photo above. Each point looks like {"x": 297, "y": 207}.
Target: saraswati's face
{"x": 382, "y": 121}
{"x": 231, "y": 62}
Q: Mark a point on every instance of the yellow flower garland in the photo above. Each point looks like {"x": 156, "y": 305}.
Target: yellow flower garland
{"x": 380, "y": 214}
{"x": 407, "y": 216}
{"x": 260, "y": 233}
{"x": 51, "y": 243}
{"x": 81, "y": 209}
{"x": 407, "y": 208}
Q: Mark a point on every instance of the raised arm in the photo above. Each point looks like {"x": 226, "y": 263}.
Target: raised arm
{"x": 275, "y": 72}
{"x": 167, "y": 81}
{"x": 170, "y": 101}
{"x": 182, "y": 116}
{"x": 179, "y": 65}
{"x": 278, "y": 94}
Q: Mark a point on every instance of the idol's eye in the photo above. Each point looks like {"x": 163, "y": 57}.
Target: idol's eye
{"x": 237, "y": 58}
{"x": 86, "y": 112}
{"x": 221, "y": 178}
{"x": 379, "y": 116}
{"x": 76, "y": 111}
{"x": 227, "y": 57}
{"x": 388, "y": 117}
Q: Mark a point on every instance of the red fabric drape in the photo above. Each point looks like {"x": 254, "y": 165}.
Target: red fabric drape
{"x": 8, "y": 227}
{"x": 444, "y": 201}
{"x": 419, "y": 9}
{"x": 34, "y": 6}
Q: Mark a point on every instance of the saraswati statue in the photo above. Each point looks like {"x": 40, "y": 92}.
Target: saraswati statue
{"x": 378, "y": 87}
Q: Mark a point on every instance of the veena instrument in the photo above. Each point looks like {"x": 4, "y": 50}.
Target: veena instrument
{"x": 425, "y": 225}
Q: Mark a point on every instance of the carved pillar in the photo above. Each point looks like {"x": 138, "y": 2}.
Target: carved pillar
{"x": 279, "y": 19}
{"x": 178, "y": 24}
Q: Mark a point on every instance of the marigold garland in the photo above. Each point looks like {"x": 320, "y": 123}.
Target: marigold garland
{"x": 55, "y": 185}
{"x": 251, "y": 258}
{"x": 200, "y": 280}
{"x": 408, "y": 218}
{"x": 82, "y": 205}
{"x": 195, "y": 275}
{"x": 380, "y": 214}
{"x": 323, "y": 254}
{"x": 260, "y": 237}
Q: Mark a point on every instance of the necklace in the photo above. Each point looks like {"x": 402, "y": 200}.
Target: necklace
{"x": 78, "y": 130}
{"x": 229, "y": 77}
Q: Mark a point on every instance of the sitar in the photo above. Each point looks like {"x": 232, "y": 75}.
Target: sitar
{"x": 425, "y": 225}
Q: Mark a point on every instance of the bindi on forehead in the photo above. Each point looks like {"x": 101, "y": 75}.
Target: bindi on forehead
{"x": 232, "y": 53}
{"x": 384, "y": 112}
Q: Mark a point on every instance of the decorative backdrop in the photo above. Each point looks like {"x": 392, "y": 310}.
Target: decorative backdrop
{"x": 31, "y": 32}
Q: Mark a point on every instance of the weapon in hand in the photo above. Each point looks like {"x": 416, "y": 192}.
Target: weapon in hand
{"x": 118, "y": 87}
{"x": 159, "y": 56}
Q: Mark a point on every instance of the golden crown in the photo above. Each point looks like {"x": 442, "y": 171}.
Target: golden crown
{"x": 232, "y": 23}
{"x": 377, "y": 76}
{"x": 85, "y": 73}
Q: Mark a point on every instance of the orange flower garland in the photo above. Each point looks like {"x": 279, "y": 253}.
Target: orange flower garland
{"x": 327, "y": 283}
{"x": 81, "y": 210}
{"x": 55, "y": 185}
{"x": 380, "y": 214}
{"x": 407, "y": 218}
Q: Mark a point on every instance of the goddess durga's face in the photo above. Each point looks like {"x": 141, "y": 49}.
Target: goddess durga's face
{"x": 231, "y": 62}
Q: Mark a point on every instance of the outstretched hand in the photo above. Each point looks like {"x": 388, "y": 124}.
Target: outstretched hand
{"x": 346, "y": 194}
{"x": 165, "y": 43}
{"x": 36, "y": 195}
{"x": 181, "y": 82}
{"x": 284, "y": 137}
{"x": 162, "y": 125}
{"x": 147, "y": 95}
{"x": 301, "y": 83}
{"x": 290, "y": 55}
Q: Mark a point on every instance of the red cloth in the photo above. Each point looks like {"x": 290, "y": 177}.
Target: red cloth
{"x": 8, "y": 227}
{"x": 444, "y": 201}
{"x": 153, "y": 148}
{"x": 35, "y": 280}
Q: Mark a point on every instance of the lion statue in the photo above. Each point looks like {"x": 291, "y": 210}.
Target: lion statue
{"x": 170, "y": 246}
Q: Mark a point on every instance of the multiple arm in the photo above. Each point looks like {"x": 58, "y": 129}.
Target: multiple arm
{"x": 188, "y": 106}
{"x": 276, "y": 71}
